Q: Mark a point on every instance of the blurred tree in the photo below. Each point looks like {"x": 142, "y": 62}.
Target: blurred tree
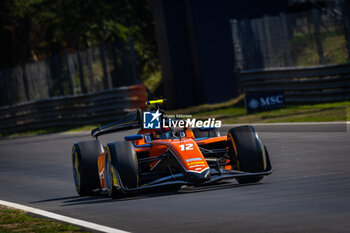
{"x": 35, "y": 29}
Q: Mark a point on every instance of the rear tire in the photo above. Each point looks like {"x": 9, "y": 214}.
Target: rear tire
{"x": 85, "y": 170}
{"x": 247, "y": 150}
{"x": 121, "y": 160}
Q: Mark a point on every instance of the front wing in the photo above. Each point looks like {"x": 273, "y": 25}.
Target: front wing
{"x": 216, "y": 175}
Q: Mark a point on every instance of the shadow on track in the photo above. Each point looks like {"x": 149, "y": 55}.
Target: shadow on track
{"x": 154, "y": 193}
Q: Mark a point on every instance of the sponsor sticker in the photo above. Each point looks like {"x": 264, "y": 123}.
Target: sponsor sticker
{"x": 193, "y": 159}
{"x": 196, "y": 163}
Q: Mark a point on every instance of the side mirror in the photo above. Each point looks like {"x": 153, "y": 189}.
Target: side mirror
{"x": 133, "y": 137}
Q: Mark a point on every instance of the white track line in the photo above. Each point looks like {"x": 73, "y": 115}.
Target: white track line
{"x": 62, "y": 218}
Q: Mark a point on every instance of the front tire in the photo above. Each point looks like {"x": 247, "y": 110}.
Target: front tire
{"x": 85, "y": 170}
{"x": 121, "y": 165}
{"x": 247, "y": 150}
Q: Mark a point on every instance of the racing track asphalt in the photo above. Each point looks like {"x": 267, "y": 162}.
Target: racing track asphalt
{"x": 309, "y": 190}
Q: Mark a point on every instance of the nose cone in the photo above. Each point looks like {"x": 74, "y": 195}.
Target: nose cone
{"x": 196, "y": 177}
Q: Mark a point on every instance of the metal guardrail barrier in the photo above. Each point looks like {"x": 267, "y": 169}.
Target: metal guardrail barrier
{"x": 312, "y": 84}
{"x": 69, "y": 111}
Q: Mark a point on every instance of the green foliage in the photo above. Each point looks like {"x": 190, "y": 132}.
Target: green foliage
{"x": 35, "y": 29}
{"x": 334, "y": 46}
{"x": 304, "y": 49}
{"x": 153, "y": 81}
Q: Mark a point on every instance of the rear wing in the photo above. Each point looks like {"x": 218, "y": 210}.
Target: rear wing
{"x": 130, "y": 121}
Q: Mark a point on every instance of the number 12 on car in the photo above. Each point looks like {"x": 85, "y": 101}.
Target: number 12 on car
{"x": 186, "y": 147}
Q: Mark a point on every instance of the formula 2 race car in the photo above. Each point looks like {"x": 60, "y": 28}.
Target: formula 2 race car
{"x": 166, "y": 156}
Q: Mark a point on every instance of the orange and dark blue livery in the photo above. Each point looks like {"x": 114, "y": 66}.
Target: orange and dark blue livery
{"x": 166, "y": 156}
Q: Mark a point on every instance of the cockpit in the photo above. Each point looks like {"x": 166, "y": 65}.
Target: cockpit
{"x": 165, "y": 133}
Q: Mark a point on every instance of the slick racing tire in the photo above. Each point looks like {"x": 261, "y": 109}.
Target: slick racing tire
{"x": 120, "y": 165}
{"x": 85, "y": 170}
{"x": 245, "y": 147}
{"x": 202, "y": 133}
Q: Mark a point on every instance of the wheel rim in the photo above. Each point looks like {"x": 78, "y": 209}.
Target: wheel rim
{"x": 233, "y": 152}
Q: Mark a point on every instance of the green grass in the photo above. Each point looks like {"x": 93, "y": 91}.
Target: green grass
{"x": 230, "y": 114}
{"x": 233, "y": 112}
{"x": 49, "y": 130}
{"x": 12, "y": 220}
